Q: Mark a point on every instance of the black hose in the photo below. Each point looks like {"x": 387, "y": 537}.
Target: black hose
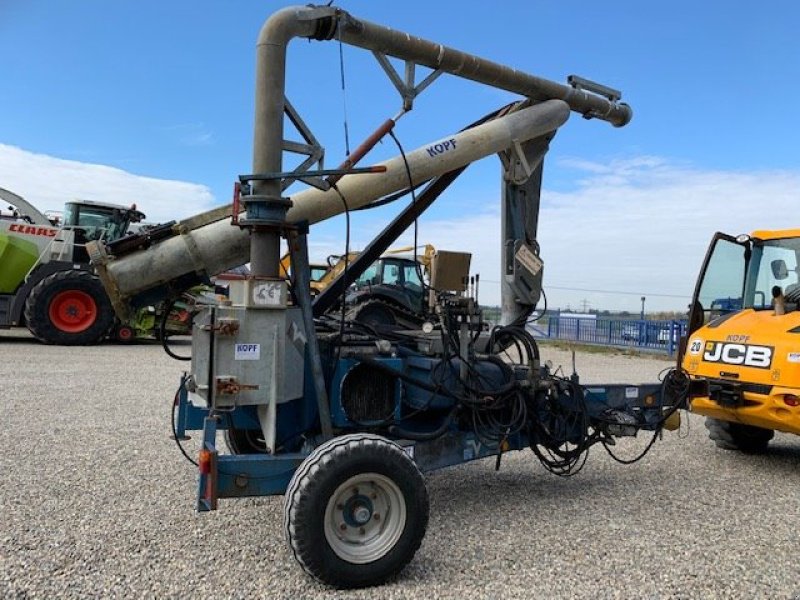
{"x": 424, "y": 436}
{"x": 408, "y": 379}
{"x": 162, "y": 331}
{"x": 675, "y": 384}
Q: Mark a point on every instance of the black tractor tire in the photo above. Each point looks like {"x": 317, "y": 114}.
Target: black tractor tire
{"x": 737, "y": 436}
{"x": 355, "y": 511}
{"x": 69, "y": 308}
{"x": 375, "y": 315}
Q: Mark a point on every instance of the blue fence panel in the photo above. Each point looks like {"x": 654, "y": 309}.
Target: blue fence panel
{"x": 662, "y": 336}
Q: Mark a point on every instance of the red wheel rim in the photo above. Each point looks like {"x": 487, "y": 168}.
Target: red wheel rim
{"x": 73, "y": 311}
{"x": 125, "y": 334}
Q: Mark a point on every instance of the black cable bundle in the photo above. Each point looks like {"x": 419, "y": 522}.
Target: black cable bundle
{"x": 549, "y": 440}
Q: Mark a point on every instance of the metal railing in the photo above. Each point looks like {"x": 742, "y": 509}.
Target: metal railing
{"x": 659, "y": 336}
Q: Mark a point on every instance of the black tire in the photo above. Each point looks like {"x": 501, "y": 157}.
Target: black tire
{"x": 124, "y": 334}
{"x": 737, "y": 436}
{"x": 245, "y": 441}
{"x": 318, "y": 525}
{"x": 54, "y": 297}
{"x": 375, "y": 315}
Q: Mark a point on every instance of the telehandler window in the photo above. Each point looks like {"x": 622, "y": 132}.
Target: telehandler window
{"x": 773, "y": 263}
{"x": 722, "y": 284}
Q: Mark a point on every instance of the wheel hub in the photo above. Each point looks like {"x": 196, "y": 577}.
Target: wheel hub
{"x": 365, "y": 517}
{"x": 73, "y": 311}
{"x": 357, "y": 511}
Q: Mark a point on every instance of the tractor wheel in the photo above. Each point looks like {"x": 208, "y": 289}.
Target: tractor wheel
{"x": 375, "y": 315}
{"x": 245, "y": 441}
{"x": 736, "y": 436}
{"x": 355, "y": 511}
{"x": 70, "y": 308}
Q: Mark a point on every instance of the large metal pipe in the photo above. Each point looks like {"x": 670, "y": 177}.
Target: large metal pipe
{"x": 325, "y": 22}
{"x": 218, "y": 246}
{"x": 322, "y": 22}
{"x": 273, "y": 40}
{"x": 395, "y": 43}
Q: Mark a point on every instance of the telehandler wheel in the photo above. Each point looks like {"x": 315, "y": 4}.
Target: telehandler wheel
{"x": 355, "y": 511}
{"x": 70, "y": 308}
{"x": 737, "y": 436}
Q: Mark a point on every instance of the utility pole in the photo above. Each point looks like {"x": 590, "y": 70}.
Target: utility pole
{"x": 642, "y": 316}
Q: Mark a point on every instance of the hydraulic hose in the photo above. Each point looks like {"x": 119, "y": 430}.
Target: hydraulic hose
{"x": 424, "y": 436}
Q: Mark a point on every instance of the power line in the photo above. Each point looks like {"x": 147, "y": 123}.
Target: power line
{"x": 555, "y": 287}
{"x": 572, "y": 289}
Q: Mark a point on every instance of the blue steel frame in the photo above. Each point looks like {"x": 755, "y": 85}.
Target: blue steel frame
{"x": 236, "y": 476}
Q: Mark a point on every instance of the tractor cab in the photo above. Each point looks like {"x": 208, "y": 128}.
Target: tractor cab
{"x": 397, "y": 279}
{"x": 85, "y": 221}
{"x": 98, "y": 221}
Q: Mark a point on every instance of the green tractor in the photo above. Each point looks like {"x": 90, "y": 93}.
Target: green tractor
{"x": 46, "y": 281}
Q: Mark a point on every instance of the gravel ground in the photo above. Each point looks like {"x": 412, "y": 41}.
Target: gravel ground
{"x": 97, "y": 502}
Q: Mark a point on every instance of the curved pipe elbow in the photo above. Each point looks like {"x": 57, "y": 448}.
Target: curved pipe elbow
{"x": 297, "y": 21}
{"x": 627, "y": 115}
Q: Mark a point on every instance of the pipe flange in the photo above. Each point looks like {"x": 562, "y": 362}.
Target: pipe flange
{"x": 265, "y": 210}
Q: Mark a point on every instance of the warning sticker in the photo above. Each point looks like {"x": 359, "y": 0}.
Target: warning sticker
{"x": 529, "y": 260}
{"x": 631, "y": 392}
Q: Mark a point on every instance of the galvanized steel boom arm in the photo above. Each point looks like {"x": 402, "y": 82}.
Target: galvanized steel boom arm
{"x": 215, "y": 246}
{"x": 326, "y": 23}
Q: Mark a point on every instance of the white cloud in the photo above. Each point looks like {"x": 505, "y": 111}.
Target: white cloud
{"x": 636, "y": 227}
{"x": 47, "y": 182}
{"x": 628, "y": 228}
{"x": 643, "y": 225}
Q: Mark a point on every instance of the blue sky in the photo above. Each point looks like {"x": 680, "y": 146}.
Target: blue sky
{"x": 160, "y": 94}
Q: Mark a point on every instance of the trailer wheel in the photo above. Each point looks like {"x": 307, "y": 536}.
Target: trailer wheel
{"x": 355, "y": 511}
{"x": 245, "y": 441}
{"x": 70, "y": 308}
{"x": 737, "y": 436}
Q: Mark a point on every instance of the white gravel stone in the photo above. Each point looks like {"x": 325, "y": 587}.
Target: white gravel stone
{"x": 96, "y": 501}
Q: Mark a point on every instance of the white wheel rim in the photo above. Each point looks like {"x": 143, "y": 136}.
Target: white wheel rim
{"x": 364, "y": 518}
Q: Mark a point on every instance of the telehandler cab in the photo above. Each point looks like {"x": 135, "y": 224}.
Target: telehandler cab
{"x": 743, "y": 349}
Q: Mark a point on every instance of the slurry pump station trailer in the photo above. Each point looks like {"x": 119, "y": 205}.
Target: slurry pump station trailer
{"x": 342, "y": 417}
